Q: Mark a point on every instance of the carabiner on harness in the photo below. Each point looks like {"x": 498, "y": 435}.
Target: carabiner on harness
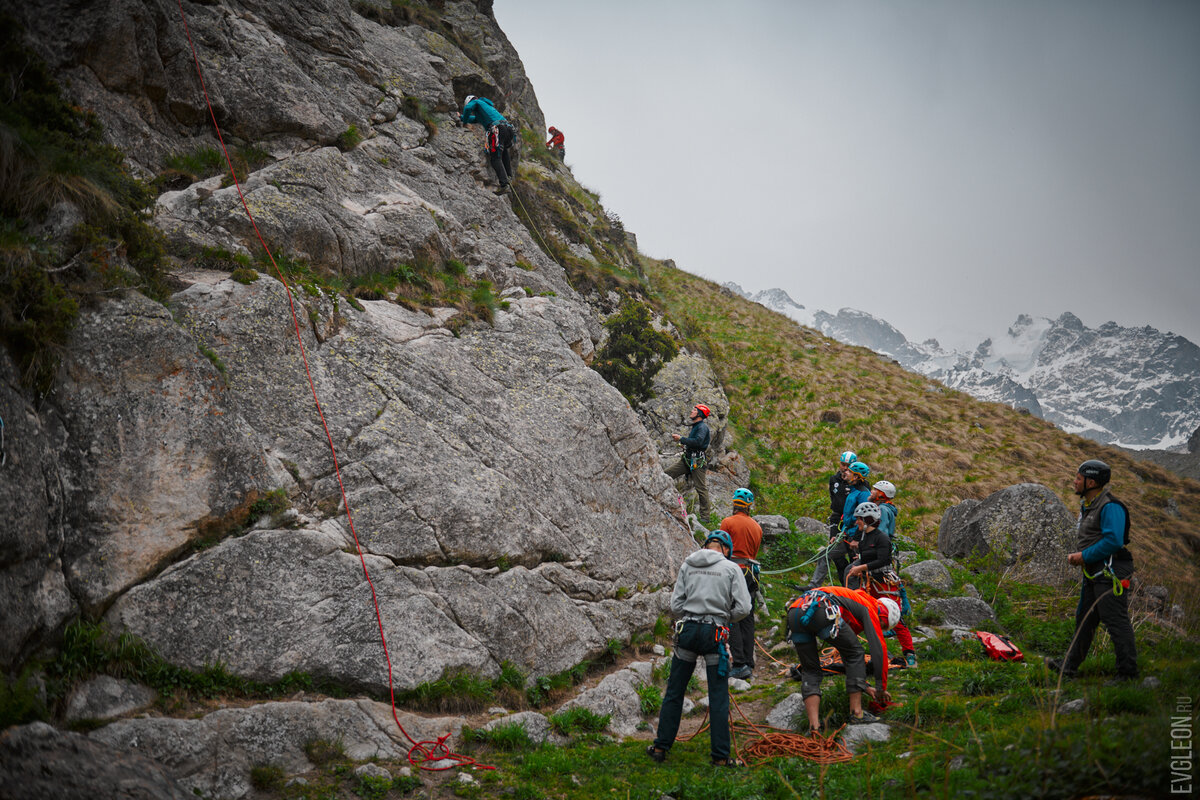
{"x": 1118, "y": 584}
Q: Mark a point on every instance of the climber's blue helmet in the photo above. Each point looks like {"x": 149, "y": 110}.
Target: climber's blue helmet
{"x": 743, "y": 498}
{"x": 723, "y": 538}
{"x": 861, "y": 469}
{"x": 847, "y": 458}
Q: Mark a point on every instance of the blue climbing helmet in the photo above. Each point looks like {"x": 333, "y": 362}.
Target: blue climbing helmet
{"x": 860, "y": 469}
{"x": 743, "y": 498}
{"x": 847, "y": 458}
{"x": 723, "y": 538}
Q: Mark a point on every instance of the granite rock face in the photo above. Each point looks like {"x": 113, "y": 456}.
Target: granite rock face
{"x": 37, "y": 762}
{"x": 213, "y": 756}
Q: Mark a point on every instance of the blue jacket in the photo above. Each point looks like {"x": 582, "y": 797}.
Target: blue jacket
{"x": 853, "y": 498}
{"x": 887, "y": 522}
{"x": 481, "y": 111}
{"x": 1112, "y": 527}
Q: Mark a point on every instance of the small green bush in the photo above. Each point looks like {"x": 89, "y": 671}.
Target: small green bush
{"x": 634, "y": 352}
{"x": 349, "y": 138}
{"x": 267, "y": 777}
{"x": 649, "y": 698}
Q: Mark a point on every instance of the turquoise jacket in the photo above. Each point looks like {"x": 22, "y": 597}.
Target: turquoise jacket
{"x": 856, "y": 495}
{"x": 481, "y": 111}
{"x": 887, "y": 522}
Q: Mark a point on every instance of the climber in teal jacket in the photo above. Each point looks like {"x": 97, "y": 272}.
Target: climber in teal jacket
{"x": 499, "y": 135}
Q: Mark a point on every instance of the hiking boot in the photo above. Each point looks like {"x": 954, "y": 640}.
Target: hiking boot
{"x": 1055, "y": 666}
{"x": 865, "y": 719}
{"x": 659, "y": 756}
{"x": 910, "y": 659}
{"x": 503, "y": 189}
{"x": 743, "y": 672}
{"x": 728, "y": 762}
{"x": 794, "y": 673}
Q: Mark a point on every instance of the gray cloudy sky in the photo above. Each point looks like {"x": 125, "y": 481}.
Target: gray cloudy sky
{"x": 943, "y": 164}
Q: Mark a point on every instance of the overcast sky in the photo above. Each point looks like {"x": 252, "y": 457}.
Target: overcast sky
{"x": 943, "y": 164}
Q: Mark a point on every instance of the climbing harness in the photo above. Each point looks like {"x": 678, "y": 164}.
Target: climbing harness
{"x": 1119, "y": 584}
{"x": 422, "y": 753}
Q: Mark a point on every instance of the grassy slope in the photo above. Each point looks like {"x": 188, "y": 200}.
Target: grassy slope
{"x": 938, "y": 446}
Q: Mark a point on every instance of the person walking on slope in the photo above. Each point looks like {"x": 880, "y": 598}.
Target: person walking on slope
{"x": 1107, "y": 564}
{"x": 710, "y": 594}
{"x": 747, "y": 535}
{"x": 499, "y": 136}
{"x": 557, "y": 143}
{"x": 838, "y": 552}
{"x": 837, "y": 615}
{"x": 692, "y": 463}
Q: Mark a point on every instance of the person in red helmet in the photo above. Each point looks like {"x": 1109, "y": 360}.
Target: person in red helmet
{"x": 557, "y": 143}
{"x": 692, "y": 463}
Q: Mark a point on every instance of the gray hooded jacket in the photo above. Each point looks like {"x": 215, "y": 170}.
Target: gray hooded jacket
{"x": 710, "y": 585}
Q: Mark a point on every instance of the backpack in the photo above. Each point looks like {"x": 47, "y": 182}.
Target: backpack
{"x": 999, "y": 648}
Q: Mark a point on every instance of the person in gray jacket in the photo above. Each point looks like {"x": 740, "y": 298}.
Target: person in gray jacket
{"x": 710, "y": 594}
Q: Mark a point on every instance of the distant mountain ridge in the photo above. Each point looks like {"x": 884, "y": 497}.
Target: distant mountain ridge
{"x": 1133, "y": 387}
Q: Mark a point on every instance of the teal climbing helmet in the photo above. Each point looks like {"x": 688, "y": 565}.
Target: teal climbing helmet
{"x": 723, "y": 538}
{"x": 848, "y": 457}
{"x": 743, "y": 497}
{"x": 859, "y": 468}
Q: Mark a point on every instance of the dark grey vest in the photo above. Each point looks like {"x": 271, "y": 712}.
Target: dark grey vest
{"x": 1089, "y": 525}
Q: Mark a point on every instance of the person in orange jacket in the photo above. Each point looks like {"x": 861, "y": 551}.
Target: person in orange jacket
{"x": 838, "y": 615}
{"x": 747, "y": 535}
{"x": 557, "y": 143}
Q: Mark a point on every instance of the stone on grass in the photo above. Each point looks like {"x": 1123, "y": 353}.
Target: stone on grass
{"x": 1073, "y": 706}
{"x": 784, "y": 715}
{"x": 773, "y": 526}
{"x": 961, "y": 612}
{"x": 810, "y": 525}
{"x": 853, "y": 736}
{"x": 930, "y": 573}
{"x": 105, "y": 697}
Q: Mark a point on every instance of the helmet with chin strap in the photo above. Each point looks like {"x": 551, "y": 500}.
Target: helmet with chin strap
{"x": 1097, "y": 470}
{"x": 722, "y": 537}
{"x": 743, "y": 498}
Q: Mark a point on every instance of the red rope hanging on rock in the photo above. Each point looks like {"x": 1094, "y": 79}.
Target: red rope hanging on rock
{"x": 421, "y": 753}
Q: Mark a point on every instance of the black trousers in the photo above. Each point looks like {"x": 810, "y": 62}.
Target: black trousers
{"x": 499, "y": 139}
{"x": 1111, "y": 610}
{"x": 741, "y": 634}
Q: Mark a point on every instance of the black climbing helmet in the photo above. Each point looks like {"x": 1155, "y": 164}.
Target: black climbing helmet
{"x": 1097, "y": 470}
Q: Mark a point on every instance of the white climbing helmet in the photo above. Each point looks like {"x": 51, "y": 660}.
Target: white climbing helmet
{"x": 467, "y": 102}
{"x": 887, "y": 487}
{"x": 867, "y": 510}
{"x": 893, "y": 613}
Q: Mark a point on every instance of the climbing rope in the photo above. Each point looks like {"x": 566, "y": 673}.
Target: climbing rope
{"x": 822, "y": 553}
{"x": 768, "y": 743}
{"x": 421, "y": 753}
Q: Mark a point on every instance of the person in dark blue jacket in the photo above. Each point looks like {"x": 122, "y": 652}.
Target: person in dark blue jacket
{"x": 837, "y": 552}
{"x": 692, "y": 463}
{"x": 499, "y": 135}
{"x": 1107, "y": 566}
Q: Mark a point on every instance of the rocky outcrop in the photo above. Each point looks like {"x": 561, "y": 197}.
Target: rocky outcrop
{"x": 212, "y": 756}
{"x": 1026, "y": 527}
{"x": 34, "y": 599}
{"x": 39, "y": 762}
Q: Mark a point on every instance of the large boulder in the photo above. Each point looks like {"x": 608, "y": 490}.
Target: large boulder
{"x": 213, "y": 756}
{"x": 106, "y": 697}
{"x": 38, "y": 761}
{"x": 1026, "y": 528}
